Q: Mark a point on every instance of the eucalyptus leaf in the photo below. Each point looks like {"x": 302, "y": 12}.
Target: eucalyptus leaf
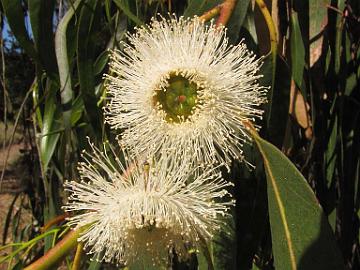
{"x": 301, "y": 235}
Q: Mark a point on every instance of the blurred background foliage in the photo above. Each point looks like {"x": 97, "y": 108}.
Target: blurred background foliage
{"x": 54, "y": 55}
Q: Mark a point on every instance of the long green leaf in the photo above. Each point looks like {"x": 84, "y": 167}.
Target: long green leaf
{"x": 63, "y": 63}
{"x": 301, "y": 235}
{"x": 50, "y": 123}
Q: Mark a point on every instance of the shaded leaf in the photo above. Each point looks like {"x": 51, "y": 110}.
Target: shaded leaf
{"x": 88, "y": 22}
{"x": 41, "y": 18}
{"x": 276, "y": 111}
{"x": 125, "y": 8}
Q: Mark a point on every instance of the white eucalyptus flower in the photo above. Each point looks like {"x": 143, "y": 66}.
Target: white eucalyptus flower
{"x": 144, "y": 210}
{"x": 179, "y": 85}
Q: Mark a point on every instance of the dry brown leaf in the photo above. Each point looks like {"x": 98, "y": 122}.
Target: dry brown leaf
{"x": 299, "y": 109}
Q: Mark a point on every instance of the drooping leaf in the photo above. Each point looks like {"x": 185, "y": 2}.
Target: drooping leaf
{"x": 61, "y": 50}
{"x": 301, "y": 235}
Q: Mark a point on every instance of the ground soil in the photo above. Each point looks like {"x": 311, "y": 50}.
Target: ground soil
{"x": 11, "y": 188}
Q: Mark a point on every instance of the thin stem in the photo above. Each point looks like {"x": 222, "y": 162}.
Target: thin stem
{"x": 77, "y": 260}
{"x": 271, "y": 27}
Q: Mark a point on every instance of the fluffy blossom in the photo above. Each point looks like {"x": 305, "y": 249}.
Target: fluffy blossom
{"x": 179, "y": 86}
{"x": 144, "y": 210}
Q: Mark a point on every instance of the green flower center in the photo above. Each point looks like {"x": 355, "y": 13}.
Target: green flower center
{"x": 178, "y": 100}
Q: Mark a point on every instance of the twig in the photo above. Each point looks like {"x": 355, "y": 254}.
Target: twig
{"x": 54, "y": 221}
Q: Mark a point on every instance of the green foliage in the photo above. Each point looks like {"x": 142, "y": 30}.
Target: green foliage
{"x": 318, "y": 56}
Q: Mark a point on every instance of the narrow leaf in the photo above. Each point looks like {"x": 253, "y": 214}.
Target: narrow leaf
{"x": 297, "y": 50}
{"x": 50, "y": 123}
{"x": 128, "y": 13}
